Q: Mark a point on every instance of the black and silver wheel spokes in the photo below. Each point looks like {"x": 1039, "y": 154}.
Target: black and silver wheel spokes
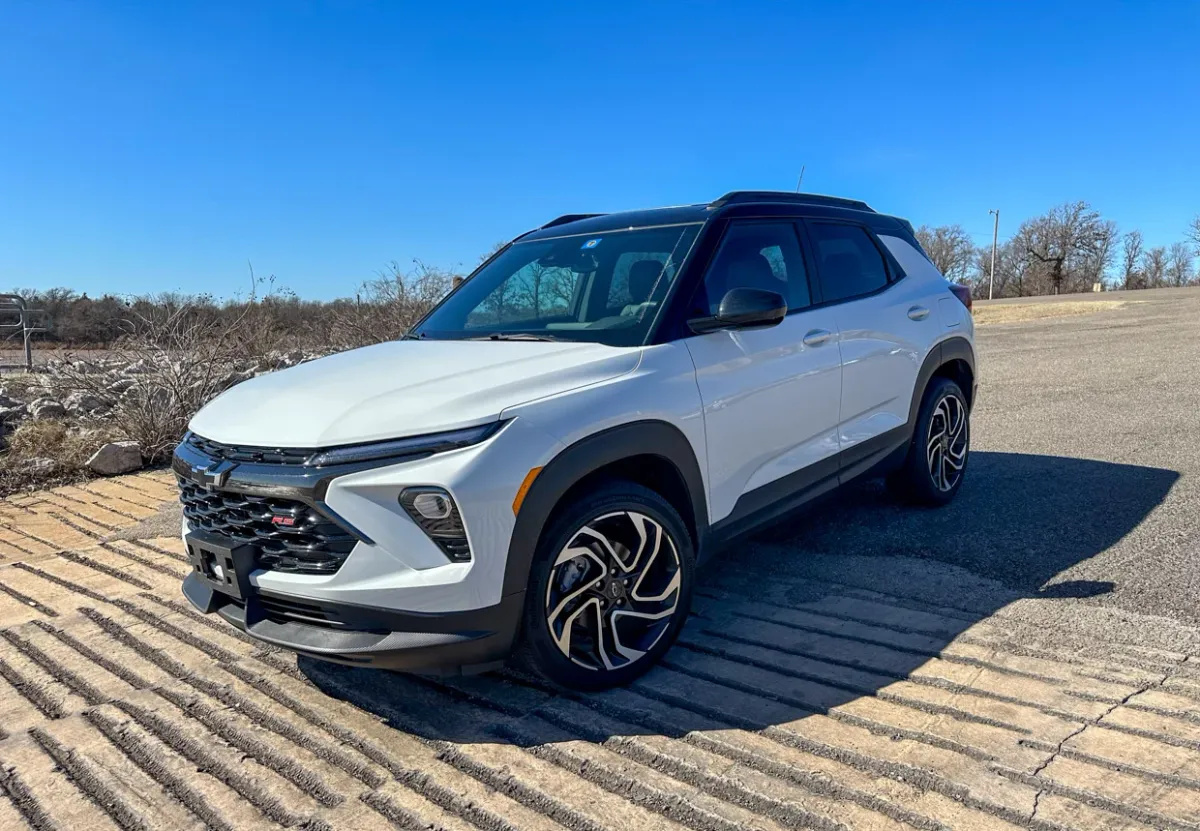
{"x": 613, "y": 590}
{"x": 946, "y": 444}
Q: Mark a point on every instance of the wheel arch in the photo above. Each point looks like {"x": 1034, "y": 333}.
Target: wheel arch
{"x": 653, "y": 453}
{"x": 953, "y": 358}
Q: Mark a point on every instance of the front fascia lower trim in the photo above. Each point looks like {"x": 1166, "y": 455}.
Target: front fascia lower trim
{"x": 444, "y": 643}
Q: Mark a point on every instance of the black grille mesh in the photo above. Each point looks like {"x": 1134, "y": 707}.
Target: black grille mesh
{"x": 300, "y": 540}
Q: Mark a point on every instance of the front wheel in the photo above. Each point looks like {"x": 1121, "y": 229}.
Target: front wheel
{"x": 610, "y": 588}
{"x": 936, "y": 462}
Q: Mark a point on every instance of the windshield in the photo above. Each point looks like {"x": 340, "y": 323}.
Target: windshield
{"x": 603, "y": 288}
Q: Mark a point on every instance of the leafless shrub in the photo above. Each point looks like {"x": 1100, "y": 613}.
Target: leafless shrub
{"x": 389, "y": 305}
{"x": 171, "y": 364}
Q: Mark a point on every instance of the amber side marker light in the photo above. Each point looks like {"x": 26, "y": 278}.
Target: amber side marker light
{"x": 524, "y": 489}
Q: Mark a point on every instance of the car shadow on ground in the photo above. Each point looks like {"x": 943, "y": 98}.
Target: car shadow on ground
{"x": 832, "y": 605}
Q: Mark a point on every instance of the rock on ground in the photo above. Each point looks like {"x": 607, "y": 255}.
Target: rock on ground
{"x": 47, "y": 408}
{"x": 84, "y": 403}
{"x": 116, "y": 457}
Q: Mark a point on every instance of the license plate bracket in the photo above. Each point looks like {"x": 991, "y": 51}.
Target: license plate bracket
{"x": 223, "y": 565}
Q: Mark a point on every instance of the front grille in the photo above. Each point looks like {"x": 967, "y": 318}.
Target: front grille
{"x": 309, "y": 543}
{"x": 246, "y": 453}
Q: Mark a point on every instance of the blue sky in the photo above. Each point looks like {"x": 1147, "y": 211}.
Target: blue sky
{"x": 149, "y": 146}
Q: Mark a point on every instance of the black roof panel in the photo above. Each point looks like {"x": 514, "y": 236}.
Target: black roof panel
{"x": 743, "y": 196}
{"x": 738, "y": 201}
{"x": 606, "y": 223}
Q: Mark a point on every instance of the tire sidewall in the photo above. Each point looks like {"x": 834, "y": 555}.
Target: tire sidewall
{"x": 537, "y": 648}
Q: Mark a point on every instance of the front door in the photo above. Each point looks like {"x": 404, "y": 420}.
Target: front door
{"x": 770, "y": 395}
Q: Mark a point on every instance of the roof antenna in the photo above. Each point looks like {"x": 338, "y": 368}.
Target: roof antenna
{"x": 801, "y": 179}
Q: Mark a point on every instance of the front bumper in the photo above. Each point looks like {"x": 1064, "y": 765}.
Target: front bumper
{"x": 450, "y": 643}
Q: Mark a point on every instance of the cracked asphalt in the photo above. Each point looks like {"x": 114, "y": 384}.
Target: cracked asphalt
{"x": 1026, "y": 658}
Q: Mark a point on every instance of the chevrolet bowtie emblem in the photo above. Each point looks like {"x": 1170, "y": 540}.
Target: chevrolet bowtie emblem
{"x": 211, "y": 476}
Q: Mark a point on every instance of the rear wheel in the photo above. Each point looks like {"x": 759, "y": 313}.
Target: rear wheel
{"x": 936, "y": 462}
{"x": 610, "y": 588}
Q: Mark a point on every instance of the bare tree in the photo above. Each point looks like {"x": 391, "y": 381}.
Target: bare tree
{"x": 1193, "y": 231}
{"x": 1063, "y": 241}
{"x": 950, "y": 249}
{"x": 487, "y": 255}
{"x": 393, "y": 302}
{"x": 1156, "y": 267}
{"x": 1179, "y": 264}
{"x": 1099, "y": 257}
{"x": 1131, "y": 258}
{"x": 1013, "y": 268}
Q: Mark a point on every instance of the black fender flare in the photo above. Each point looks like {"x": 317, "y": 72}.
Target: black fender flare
{"x": 952, "y": 349}
{"x": 639, "y": 438}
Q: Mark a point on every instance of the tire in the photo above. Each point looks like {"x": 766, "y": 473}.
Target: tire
{"x": 569, "y": 596}
{"x": 929, "y": 477}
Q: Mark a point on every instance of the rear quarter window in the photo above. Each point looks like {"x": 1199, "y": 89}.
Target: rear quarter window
{"x": 850, "y": 263}
{"x": 910, "y": 258}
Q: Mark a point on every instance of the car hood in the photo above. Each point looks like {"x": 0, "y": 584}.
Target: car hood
{"x": 402, "y": 388}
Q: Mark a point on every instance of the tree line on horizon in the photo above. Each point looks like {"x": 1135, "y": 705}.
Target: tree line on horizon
{"x": 1068, "y": 249}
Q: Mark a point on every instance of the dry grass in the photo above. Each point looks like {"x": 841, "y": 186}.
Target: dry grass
{"x": 1020, "y": 312}
{"x": 45, "y": 439}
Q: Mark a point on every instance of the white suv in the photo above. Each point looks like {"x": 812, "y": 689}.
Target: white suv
{"x": 537, "y": 469}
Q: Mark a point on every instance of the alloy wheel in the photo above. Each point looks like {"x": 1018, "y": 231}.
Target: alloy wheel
{"x": 613, "y": 590}
{"x": 946, "y": 444}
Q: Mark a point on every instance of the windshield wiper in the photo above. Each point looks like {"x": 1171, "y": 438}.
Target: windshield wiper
{"x": 517, "y": 336}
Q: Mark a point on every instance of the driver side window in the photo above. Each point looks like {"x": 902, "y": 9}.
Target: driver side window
{"x": 758, "y": 255}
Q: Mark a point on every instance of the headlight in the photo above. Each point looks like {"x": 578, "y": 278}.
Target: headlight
{"x": 399, "y": 448}
{"x": 433, "y": 509}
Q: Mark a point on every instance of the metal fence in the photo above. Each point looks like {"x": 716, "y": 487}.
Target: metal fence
{"x": 18, "y": 320}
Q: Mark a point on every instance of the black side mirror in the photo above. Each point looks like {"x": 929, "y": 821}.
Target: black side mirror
{"x": 743, "y": 309}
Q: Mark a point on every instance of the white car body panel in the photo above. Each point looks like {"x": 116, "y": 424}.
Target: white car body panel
{"x": 882, "y": 352}
{"x": 402, "y": 388}
{"x": 770, "y": 403}
{"x": 661, "y": 388}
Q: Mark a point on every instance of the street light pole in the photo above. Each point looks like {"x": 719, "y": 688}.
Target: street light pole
{"x": 995, "y": 236}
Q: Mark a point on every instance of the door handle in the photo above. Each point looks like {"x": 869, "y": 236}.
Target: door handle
{"x": 918, "y": 313}
{"x": 816, "y": 337}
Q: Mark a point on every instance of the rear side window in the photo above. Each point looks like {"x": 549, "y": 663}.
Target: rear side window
{"x": 759, "y": 255}
{"x": 850, "y": 264}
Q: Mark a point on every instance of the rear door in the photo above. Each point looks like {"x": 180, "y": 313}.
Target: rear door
{"x": 886, "y": 327}
{"x": 770, "y": 395}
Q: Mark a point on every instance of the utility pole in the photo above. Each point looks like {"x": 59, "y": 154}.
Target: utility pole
{"x": 801, "y": 179}
{"x": 995, "y": 236}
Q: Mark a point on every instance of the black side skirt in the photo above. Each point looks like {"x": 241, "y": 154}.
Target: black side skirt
{"x": 763, "y": 506}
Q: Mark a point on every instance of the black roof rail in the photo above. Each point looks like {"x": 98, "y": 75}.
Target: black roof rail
{"x": 565, "y": 218}
{"x": 736, "y": 196}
